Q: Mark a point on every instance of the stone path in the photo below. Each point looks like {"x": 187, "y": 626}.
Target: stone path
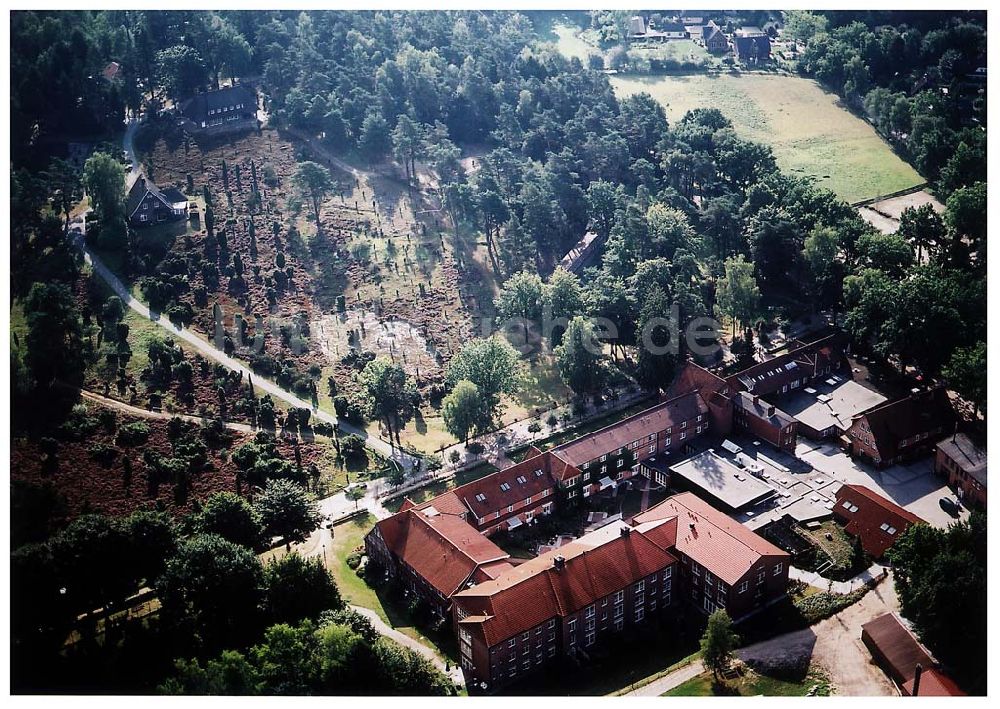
{"x": 875, "y": 571}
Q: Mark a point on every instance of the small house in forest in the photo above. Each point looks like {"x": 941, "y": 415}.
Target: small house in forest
{"x": 147, "y": 204}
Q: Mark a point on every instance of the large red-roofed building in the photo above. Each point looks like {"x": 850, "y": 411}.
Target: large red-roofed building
{"x": 566, "y": 600}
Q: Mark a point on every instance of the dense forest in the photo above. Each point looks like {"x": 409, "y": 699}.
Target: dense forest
{"x": 692, "y": 215}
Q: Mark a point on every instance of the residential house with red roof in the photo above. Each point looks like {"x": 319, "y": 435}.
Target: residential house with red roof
{"x": 901, "y": 430}
{"x": 878, "y": 522}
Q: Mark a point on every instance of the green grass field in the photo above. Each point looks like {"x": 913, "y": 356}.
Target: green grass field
{"x": 752, "y": 685}
{"x": 811, "y": 134}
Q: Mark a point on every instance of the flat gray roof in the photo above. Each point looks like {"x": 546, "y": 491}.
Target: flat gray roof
{"x": 969, "y": 457}
{"x": 846, "y": 400}
{"x": 717, "y": 476}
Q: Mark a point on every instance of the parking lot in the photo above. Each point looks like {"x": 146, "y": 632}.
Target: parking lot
{"x": 806, "y": 485}
{"x": 913, "y": 486}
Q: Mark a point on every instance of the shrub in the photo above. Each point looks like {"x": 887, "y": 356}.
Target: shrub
{"x": 534, "y": 427}
{"x": 103, "y": 453}
{"x": 354, "y": 558}
{"x": 132, "y": 434}
{"x": 454, "y": 456}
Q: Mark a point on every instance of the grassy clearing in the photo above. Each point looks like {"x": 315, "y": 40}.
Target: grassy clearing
{"x": 811, "y": 134}
{"x": 684, "y": 50}
{"x": 752, "y": 684}
{"x": 566, "y": 35}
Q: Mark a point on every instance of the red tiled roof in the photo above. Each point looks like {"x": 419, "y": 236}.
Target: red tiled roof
{"x": 874, "y": 510}
{"x": 695, "y": 378}
{"x": 638, "y": 427}
{"x": 491, "y": 487}
{"x": 443, "y": 549}
{"x": 712, "y": 538}
{"x": 933, "y": 683}
{"x": 535, "y": 591}
{"x": 447, "y": 503}
{"x": 899, "y": 420}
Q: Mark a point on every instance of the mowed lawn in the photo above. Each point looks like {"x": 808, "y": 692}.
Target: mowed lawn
{"x": 810, "y": 133}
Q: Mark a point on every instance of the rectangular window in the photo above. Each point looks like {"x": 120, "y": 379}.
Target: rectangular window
{"x": 571, "y": 625}
{"x": 552, "y": 651}
{"x": 510, "y": 508}
{"x": 512, "y": 642}
{"x": 777, "y": 568}
{"x": 666, "y": 444}
{"x": 591, "y": 611}
{"x": 590, "y": 639}
{"x": 524, "y": 637}
{"x": 640, "y": 613}
{"x": 652, "y": 447}
{"x": 683, "y": 435}
{"x": 667, "y": 585}
{"x": 619, "y": 596}
{"x": 619, "y": 624}
{"x": 640, "y": 585}
{"x": 668, "y": 572}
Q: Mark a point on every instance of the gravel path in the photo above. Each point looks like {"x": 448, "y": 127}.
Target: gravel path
{"x": 835, "y": 645}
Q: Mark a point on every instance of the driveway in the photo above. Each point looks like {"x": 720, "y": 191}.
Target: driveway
{"x": 835, "y": 645}
{"x": 913, "y": 486}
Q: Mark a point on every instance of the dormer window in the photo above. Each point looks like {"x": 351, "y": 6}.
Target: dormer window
{"x": 480, "y": 497}
{"x": 504, "y": 487}
{"x": 521, "y": 479}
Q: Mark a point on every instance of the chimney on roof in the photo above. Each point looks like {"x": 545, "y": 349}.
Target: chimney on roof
{"x": 917, "y": 671}
{"x": 756, "y": 399}
{"x": 559, "y": 563}
{"x": 770, "y": 409}
{"x": 626, "y": 530}
{"x": 691, "y": 526}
